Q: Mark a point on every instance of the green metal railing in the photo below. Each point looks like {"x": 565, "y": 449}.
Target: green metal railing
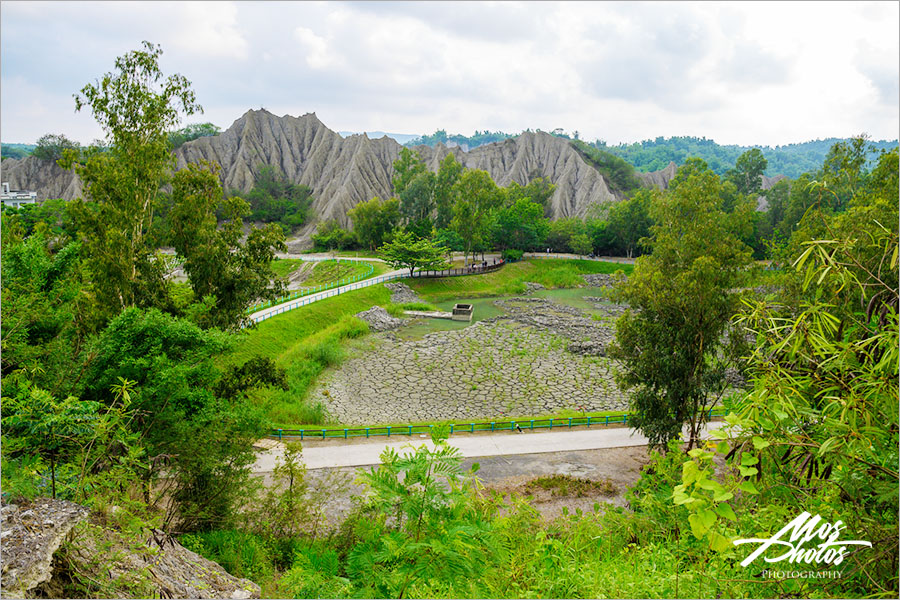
{"x": 318, "y": 288}
{"x": 411, "y": 430}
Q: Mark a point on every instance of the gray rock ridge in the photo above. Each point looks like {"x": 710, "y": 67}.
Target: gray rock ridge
{"x": 45, "y": 177}
{"x": 659, "y": 178}
{"x": 530, "y": 154}
{"x": 345, "y": 171}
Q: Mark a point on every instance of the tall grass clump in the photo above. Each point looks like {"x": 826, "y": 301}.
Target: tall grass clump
{"x": 304, "y": 363}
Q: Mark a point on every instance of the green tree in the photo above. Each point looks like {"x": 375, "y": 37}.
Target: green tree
{"x": 521, "y": 226}
{"x": 406, "y": 168}
{"x": 43, "y": 326}
{"x": 192, "y": 132}
{"x": 414, "y": 185}
{"x": 420, "y": 523}
{"x": 330, "y": 236}
{"x": 844, "y": 170}
{"x": 476, "y": 197}
{"x": 373, "y": 221}
{"x": 670, "y": 341}
{"x": 201, "y": 443}
{"x": 448, "y": 174}
{"x": 51, "y": 146}
{"x": 561, "y": 232}
{"x": 90, "y": 443}
{"x": 275, "y": 199}
{"x": 539, "y": 190}
{"x": 748, "y": 171}
{"x": 220, "y": 263}
{"x": 406, "y": 251}
{"x": 449, "y": 240}
{"x": 582, "y": 244}
{"x": 136, "y": 108}
{"x": 629, "y": 222}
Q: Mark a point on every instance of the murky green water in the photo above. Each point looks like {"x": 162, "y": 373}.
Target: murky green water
{"x": 485, "y": 309}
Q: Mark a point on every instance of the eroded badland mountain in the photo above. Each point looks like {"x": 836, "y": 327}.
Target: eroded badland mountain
{"x": 345, "y": 171}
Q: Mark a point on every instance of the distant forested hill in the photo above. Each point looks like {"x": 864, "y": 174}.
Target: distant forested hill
{"x": 791, "y": 160}
{"x": 440, "y": 137}
{"x": 16, "y": 150}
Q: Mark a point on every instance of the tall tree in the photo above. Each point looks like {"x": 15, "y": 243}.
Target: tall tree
{"x": 629, "y": 222}
{"x": 414, "y": 185}
{"x": 136, "y": 107}
{"x": 539, "y": 190}
{"x": 373, "y": 221}
{"x": 748, "y": 171}
{"x": 670, "y": 342}
{"x": 521, "y": 226}
{"x": 275, "y": 199}
{"x": 476, "y": 197}
{"x": 219, "y": 262}
{"x": 448, "y": 174}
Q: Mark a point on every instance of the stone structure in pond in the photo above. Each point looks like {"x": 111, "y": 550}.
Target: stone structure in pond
{"x": 539, "y": 357}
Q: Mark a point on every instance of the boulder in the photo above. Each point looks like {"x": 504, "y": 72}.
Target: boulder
{"x": 379, "y": 319}
{"x": 402, "y": 293}
{"x": 47, "y": 544}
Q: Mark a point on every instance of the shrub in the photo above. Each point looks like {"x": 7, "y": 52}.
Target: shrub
{"x": 512, "y": 255}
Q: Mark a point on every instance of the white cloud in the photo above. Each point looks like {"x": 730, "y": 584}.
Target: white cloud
{"x": 208, "y": 29}
{"x": 744, "y": 73}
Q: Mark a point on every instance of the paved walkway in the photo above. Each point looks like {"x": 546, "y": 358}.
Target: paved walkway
{"x": 262, "y": 315}
{"x": 498, "y": 444}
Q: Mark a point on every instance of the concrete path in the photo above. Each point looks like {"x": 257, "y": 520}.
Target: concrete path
{"x": 499, "y": 444}
{"x": 266, "y": 313}
{"x": 561, "y": 255}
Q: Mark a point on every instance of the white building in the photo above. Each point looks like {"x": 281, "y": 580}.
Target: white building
{"x": 16, "y": 198}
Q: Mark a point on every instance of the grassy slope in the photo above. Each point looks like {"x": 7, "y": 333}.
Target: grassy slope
{"x": 510, "y": 279}
{"x": 327, "y": 271}
{"x": 283, "y": 266}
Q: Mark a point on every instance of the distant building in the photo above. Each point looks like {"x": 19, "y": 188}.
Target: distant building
{"x": 16, "y": 198}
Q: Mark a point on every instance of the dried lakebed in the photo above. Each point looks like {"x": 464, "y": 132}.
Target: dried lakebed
{"x": 537, "y": 357}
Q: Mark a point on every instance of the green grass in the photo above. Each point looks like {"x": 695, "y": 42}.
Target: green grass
{"x": 305, "y": 341}
{"x": 510, "y": 279}
{"x": 330, "y": 271}
{"x": 399, "y": 310}
{"x": 284, "y": 266}
{"x": 481, "y": 424}
{"x": 567, "y": 486}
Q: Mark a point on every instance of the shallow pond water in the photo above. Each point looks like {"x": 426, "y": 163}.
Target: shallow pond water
{"x": 485, "y": 309}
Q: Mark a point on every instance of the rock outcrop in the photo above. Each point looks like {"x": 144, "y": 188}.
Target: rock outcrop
{"x": 379, "y": 319}
{"x": 28, "y": 537}
{"x": 402, "y": 293}
{"x": 529, "y": 155}
{"x": 156, "y": 566}
{"x": 45, "y": 177}
{"x": 659, "y": 178}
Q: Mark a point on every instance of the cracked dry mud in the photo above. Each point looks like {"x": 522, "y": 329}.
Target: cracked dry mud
{"x": 516, "y": 364}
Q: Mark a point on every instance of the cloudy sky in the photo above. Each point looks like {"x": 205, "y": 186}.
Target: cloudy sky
{"x": 739, "y": 73}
